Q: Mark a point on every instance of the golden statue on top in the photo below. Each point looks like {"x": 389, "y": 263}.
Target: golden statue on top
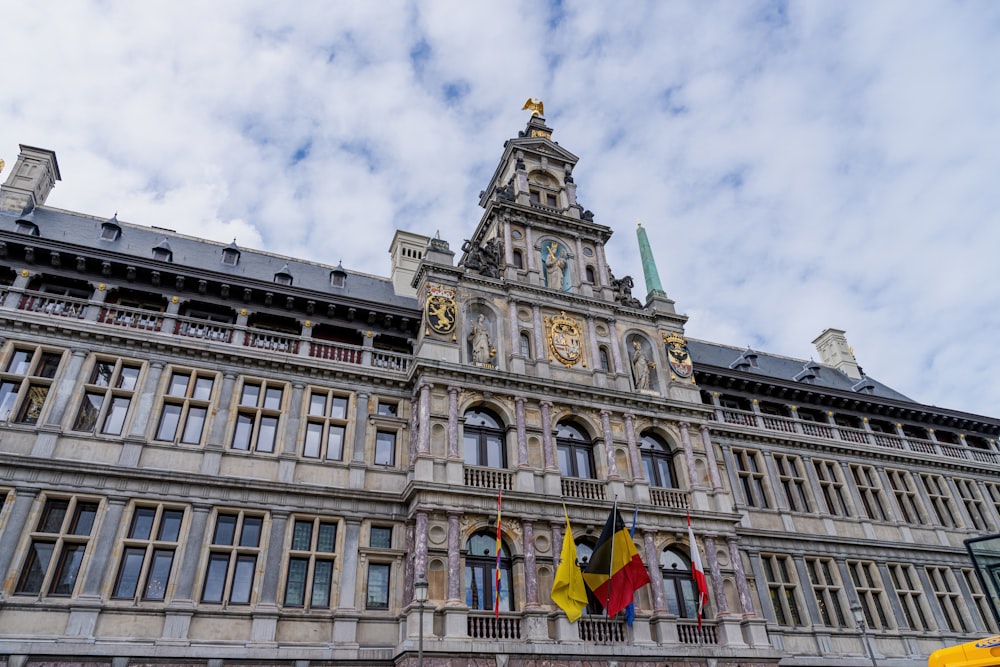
{"x": 535, "y": 106}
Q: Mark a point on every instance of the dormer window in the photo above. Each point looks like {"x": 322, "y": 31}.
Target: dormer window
{"x": 26, "y": 228}
{"x": 231, "y": 255}
{"x": 162, "y": 252}
{"x": 283, "y": 277}
{"x": 338, "y": 277}
{"x": 110, "y": 230}
{"x": 809, "y": 373}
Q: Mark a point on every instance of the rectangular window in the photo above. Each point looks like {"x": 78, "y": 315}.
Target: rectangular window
{"x": 948, "y": 598}
{"x": 750, "y": 473}
{"x": 377, "y": 596}
{"x": 831, "y": 485}
{"x": 940, "y": 497}
{"x": 968, "y": 491}
{"x": 25, "y": 383}
{"x": 911, "y": 597}
{"x": 310, "y": 563}
{"x": 58, "y": 545}
{"x": 257, "y": 416}
{"x": 388, "y": 409}
{"x": 980, "y": 599}
{"x": 107, "y": 397}
{"x": 779, "y": 571}
{"x": 826, "y": 588}
{"x": 867, "y": 482}
{"x": 871, "y": 595}
{"x": 792, "y": 481}
{"x": 385, "y": 448}
{"x": 993, "y": 491}
{"x": 381, "y": 537}
{"x": 185, "y": 407}
{"x": 232, "y": 559}
{"x": 326, "y": 425}
{"x": 148, "y": 553}
{"x": 901, "y": 483}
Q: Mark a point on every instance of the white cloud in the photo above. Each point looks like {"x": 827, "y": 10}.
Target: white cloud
{"x": 796, "y": 166}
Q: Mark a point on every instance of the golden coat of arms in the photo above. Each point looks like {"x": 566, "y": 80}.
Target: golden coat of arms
{"x": 677, "y": 355}
{"x": 565, "y": 339}
{"x": 439, "y": 309}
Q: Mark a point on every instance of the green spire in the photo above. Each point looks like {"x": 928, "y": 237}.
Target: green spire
{"x": 649, "y": 271}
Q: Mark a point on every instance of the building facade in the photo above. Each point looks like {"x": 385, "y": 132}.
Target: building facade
{"x": 211, "y": 455}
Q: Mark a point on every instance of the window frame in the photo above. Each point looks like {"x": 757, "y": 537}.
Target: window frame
{"x": 151, "y": 547}
{"x": 793, "y": 482}
{"x": 751, "y": 476}
{"x": 235, "y": 554}
{"x": 569, "y": 451}
{"x": 185, "y": 405}
{"x": 782, "y": 586}
{"x": 326, "y": 424}
{"x": 828, "y": 590}
{"x": 24, "y": 390}
{"x": 483, "y": 438}
{"x": 112, "y": 390}
{"x": 482, "y": 567}
{"x": 384, "y": 602}
{"x": 315, "y": 559}
{"x": 257, "y": 415}
{"x": 64, "y": 539}
{"x": 657, "y": 455}
{"x": 910, "y": 593}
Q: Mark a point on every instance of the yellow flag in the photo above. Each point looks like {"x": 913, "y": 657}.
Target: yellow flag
{"x": 568, "y": 590}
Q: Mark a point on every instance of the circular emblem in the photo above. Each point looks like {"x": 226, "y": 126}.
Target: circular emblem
{"x": 439, "y": 310}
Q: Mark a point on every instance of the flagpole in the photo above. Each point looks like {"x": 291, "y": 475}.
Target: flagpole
{"x": 611, "y": 563}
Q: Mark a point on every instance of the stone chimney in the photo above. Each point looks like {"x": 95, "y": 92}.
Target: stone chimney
{"x": 31, "y": 179}
{"x": 406, "y": 250}
{"x": 834, "y": 351}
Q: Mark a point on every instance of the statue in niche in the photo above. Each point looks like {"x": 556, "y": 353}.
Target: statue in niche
{"x": 555, "y": 266}
{"x": 640, "y": 368}
{"x": 479, "y": 336}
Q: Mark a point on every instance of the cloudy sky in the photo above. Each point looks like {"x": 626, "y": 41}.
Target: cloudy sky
{"x": 797, "y": 165}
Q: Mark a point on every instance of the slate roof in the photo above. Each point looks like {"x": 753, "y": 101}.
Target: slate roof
{"x": 786, "y": 369}
{"x": 62, "y": 226}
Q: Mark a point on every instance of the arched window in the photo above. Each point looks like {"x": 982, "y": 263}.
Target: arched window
{"x": 518, "y": 259}
{"x": 480, "y": 573}
{"x": 525, "y": 348}
{"x": 483, "y": 440}
{"x": 575, "y": 452}
{"x": 602, "y": 358}
{"x": 657, "y": 461}
{"x": 584, "y": 551}
{"x": 678, "y": 586}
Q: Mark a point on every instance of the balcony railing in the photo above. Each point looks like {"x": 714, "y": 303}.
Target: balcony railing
{"x": 601, "y": 630}
{"x": 855, "y": 435}
{"x": 487, "y": 626}
{"x": 673, "y": 498}
{"x": 127, "y": 317}
{"x": 586, "y": 489}
{"x": 689, "y": 632}
{"x": 488, "y": 478}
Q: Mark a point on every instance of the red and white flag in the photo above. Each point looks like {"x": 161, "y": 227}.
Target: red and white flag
{"x": 697, "y": 572}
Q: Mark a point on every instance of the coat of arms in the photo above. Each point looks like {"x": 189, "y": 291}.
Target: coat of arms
{"x": 677, "y": 355}
{"x": 439, "y": 309}
{"x": 565, "y": 339}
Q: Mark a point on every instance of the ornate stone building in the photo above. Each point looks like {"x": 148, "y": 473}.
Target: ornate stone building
{"x": 212, "y": 455}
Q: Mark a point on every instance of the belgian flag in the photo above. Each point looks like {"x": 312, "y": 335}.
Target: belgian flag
{"x": 615, "y": 571}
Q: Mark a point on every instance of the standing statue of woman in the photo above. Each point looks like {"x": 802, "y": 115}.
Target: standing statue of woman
{"x": 480, "y": 337}
{"x": 640, "y": 368}
{"x": 555, "y": 267}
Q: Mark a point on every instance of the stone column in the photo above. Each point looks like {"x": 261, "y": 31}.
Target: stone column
{"x": 653, "y": 566}
{"x": 688, "y": 455}
{"x": 721, "y": 604}
{"x": 221, "y": 418}
{"x": 20, "y": 507}
{"x": 192, "y": 554}
{"x": 104, "y": 545}
{"x": 348, "y": 586}
{"x": 529, "y": 244}
{"x": 420, "y": 546}
{"x": 635, "y": 458}
{"x": 713, "y": 465}
{"x": 408, "y": 566}
{"x": 539, "y": 333}
{"x": 746, "y": 600}
{"x": 602, "y": 265}
{"x": 581, "y": 266}
{"x": 292, "y": 425}
{"x": 530, "y": 571}
{"x": 424, "y": 441}
{"x": 616, "y": 354}
{"x": 595, "y": 354}
{"x": 414, "y": 427}
{"x": 548, "y": 445}
{"x": 515, "y": 330}
{"x": 144, "y": 405}
{"x": 360, "y": 432}
{"x": 609, "y": 444}
{"x": 272, "y": 563}
{"x": 508, "y": 246}
{"x": 66, "y": 387}
{"x": 453, "y": 452}
{"x": 454, "y": 561}
{"x": 557, "y": 540}
{"x": 522, "y": 436}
